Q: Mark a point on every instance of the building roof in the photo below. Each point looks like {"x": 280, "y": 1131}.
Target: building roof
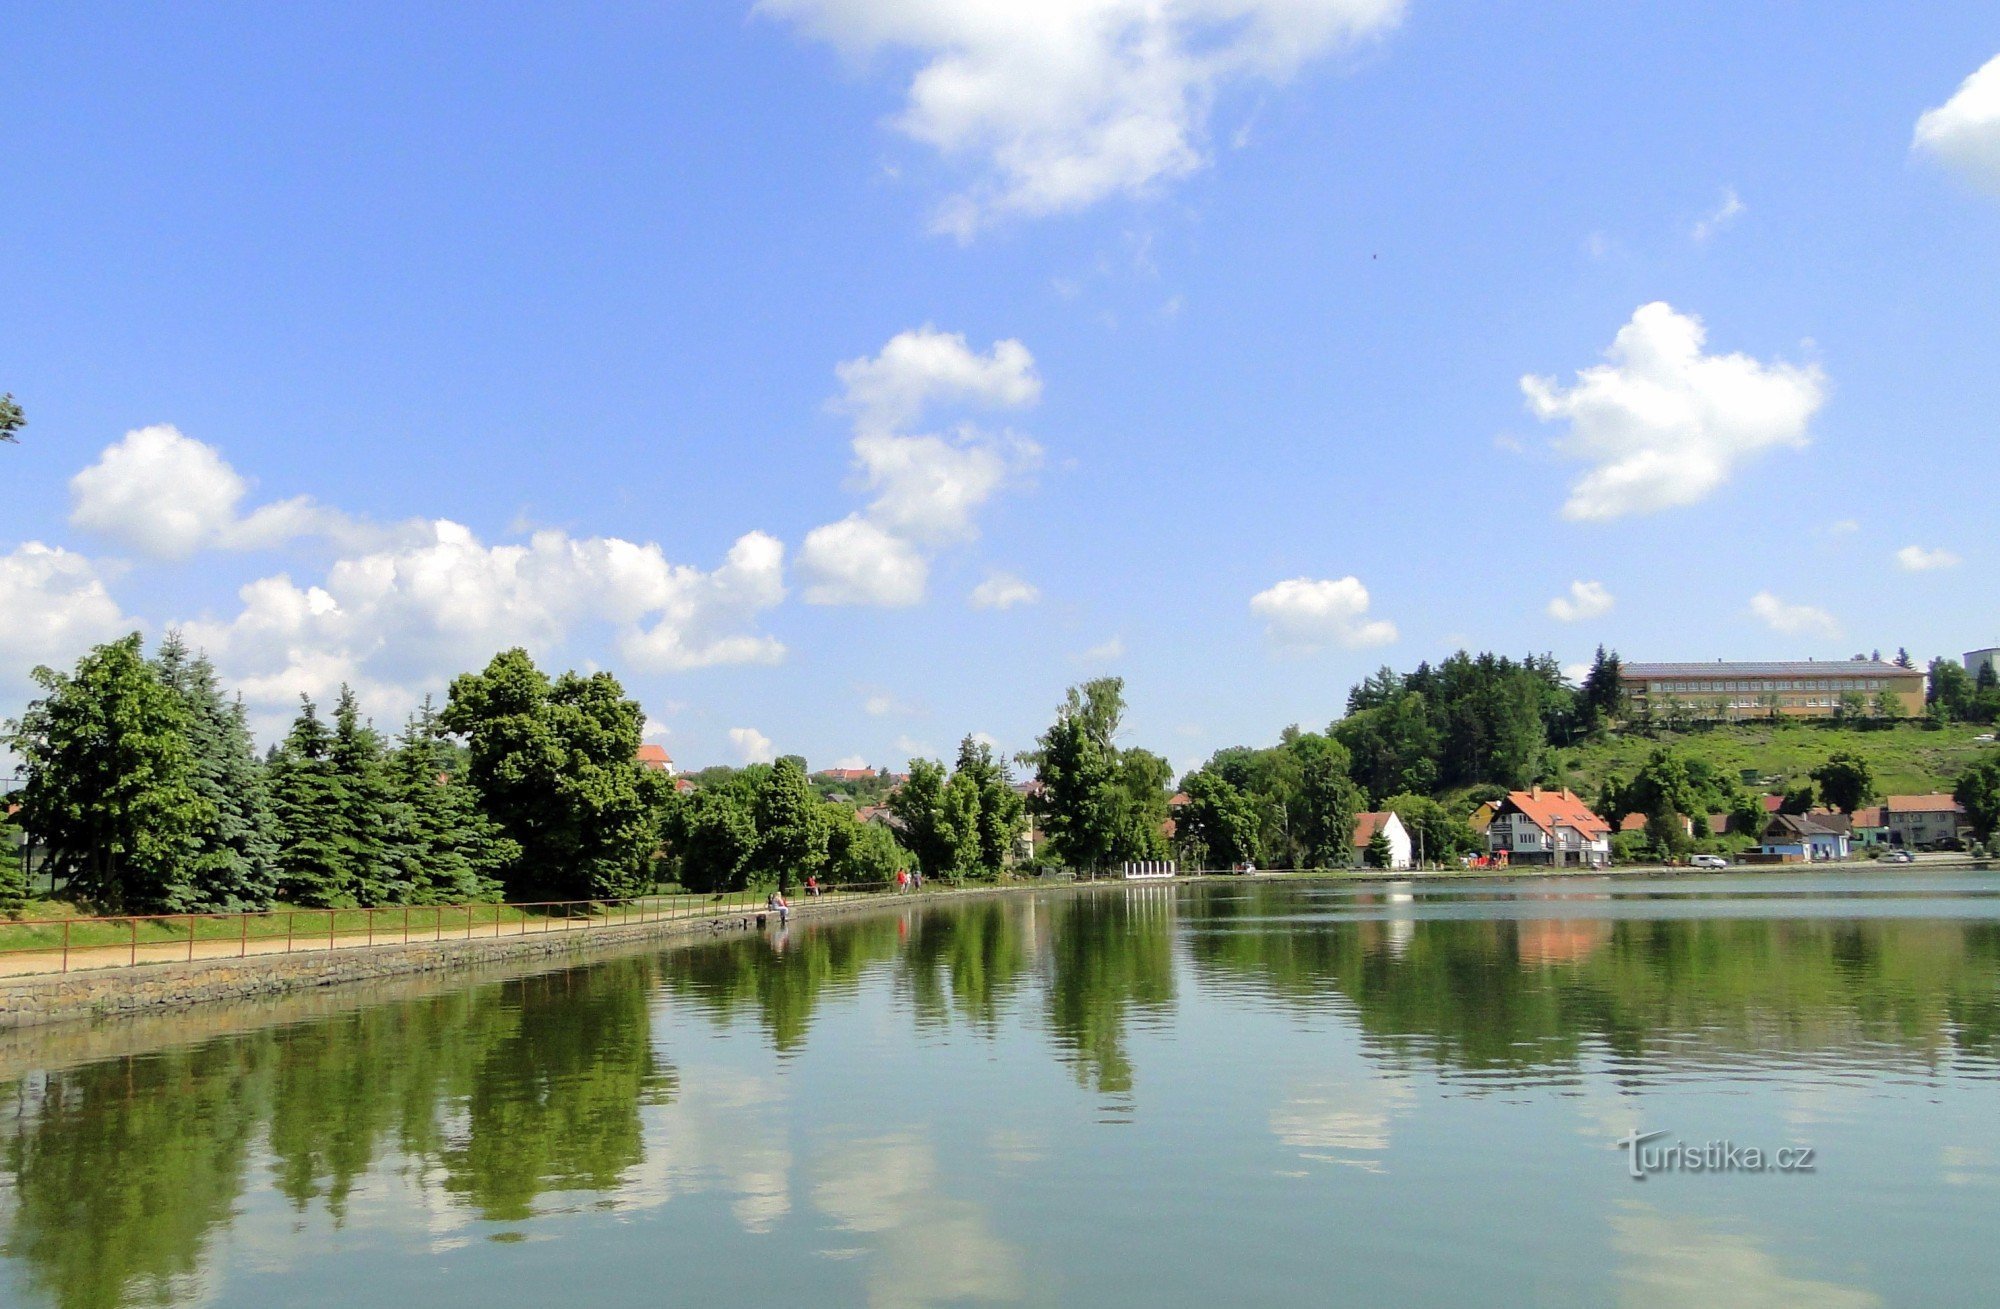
{"x": 1367, "y": 824}
{"x": 1550, "y": 809}
{"x": 655, "y": 756}
{"x": 846, "y": 774}
{"x": 1934, "y": 803}
{"x": 1872, "y": 816}
{"x": 1802, "y": 825}
{"x": 1810, "y": 668}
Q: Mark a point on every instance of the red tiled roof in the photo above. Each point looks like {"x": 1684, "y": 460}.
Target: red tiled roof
{"x": 1872, "y": 816}
{"x": 1934, "y": 803}
{"x": 847, "y": 774}
{"x": 1548, "y": 809}
{"x": 654, "y": 756}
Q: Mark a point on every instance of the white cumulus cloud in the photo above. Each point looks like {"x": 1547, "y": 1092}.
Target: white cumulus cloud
{"x": 1664, "y": 424}
{"x": 923, "y": 367}
{"x": 167, "y": 495}
{"x": 395, "y": 620}
{"x": 1916, "y": 559}
{"x": 53, "y": 606}
{"x": 1964, "y": 131}
{"x": 856, "y": 562}
{"x": 927, "y": 488}
{"x": 1103, "y": 652}
{"x": 1059, "y": 104}
{"x": 1303, "y": 615}
{"x": 752, "y": 746}
{"x": 1003, "y": 591}
{"x": 1585, "y": 600}
{"x": 1793, "y": 619}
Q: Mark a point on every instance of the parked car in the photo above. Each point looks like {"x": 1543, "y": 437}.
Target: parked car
{"x": 1708, "y": 861}
{"x": 1899, "y": 857}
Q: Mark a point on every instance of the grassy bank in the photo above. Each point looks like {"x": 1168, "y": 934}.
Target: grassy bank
{"x": 1907, "y": 759}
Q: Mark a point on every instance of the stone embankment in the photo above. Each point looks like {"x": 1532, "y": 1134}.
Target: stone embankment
{"x": 146, "y": 988}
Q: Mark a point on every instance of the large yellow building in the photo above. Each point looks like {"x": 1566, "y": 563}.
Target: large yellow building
{"x": 1809, "y": 690}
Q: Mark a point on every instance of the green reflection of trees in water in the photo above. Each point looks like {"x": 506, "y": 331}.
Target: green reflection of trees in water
{"x": 1508, "y": 993}
{"x": 967, "y": 960}
{"x": 122, "y": 1170}
{"x": 1110, "y": 954}
{"x": 781, "y": 979}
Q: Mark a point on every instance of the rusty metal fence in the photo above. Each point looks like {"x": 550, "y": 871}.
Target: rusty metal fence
{"x": 62, "y": 945}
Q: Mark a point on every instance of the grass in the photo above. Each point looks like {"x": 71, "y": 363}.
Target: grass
{"x": 1907, "y": 759}
{"x": 38, "y": 930}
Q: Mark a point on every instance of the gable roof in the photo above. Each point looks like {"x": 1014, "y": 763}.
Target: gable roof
{"x": 1369, "y": 823}
{"x": 1550, "y": 809}
{"x": 1802, "y": 825}
{"x": 1872, "y": 816}
{"x": 655, "y": 756}
{"x": 1934, "y": 803}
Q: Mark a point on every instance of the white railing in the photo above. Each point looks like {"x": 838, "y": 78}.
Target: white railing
{"x": 1151, "y": 870}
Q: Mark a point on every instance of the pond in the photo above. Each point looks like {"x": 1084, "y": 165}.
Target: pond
{"x": 1226, "y": 1092}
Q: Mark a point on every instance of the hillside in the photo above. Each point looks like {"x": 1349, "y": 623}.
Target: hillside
{"x": 1907, "y": 759}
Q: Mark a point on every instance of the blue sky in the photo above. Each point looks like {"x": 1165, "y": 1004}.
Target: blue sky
{"x": 1161, "y": 321}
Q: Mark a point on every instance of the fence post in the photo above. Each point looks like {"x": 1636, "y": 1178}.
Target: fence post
{"x": 368, "y": 917}
{"x": 406, "y": 924}
{"x": 65, "y": 964}
{"x": 244, "y": 953}
{"x": 288, "y": 931}
{"x": 330, "y": 928}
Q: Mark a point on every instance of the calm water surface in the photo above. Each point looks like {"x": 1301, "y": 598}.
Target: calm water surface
{"x": 1193, "y": 1095}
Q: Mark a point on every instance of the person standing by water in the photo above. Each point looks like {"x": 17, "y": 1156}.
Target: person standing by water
{"x": 902, "y": 880}
{"x": 812, "y": 887}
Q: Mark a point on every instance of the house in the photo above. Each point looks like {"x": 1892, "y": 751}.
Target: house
{"x": 1918, "y": 822}
{"x": 1871, "y": 827}
{"x": 655, "y": 758}
{"x": 1548, "y": 827}
{"x": 1482, "y": 816}
{"x": 1806, "y": 838}
{"x": 846, "y": 774}
{"x": 1812, "y": 689}
{"x": 1391, "y": 827}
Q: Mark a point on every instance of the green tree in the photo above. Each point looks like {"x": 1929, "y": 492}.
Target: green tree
{"x": 1377, "y": 854}
{"x": 1846, "y": 782}
{"x": 1328, "y": 800}
{"x": 12, "y": 420}
{"x": 110, "y": 791}
{"x": 371, "y": 828}
{"x": 714, "y": 834}
{"x": 1978, "y": 789}
{"x": 1664, "y": 783}
{"x": 1218, "y": 825}
{"x": 309, "y": 800}
{"x": 859, "y": 853}
{"x": 1602, "y": 700}
{"x": 1667, "y": 832}
{"x": 791, "y": 830}
{"x": 1077, "y": 765}
{"x": 449, "y": 851}
{"x": 918, "y": 806}
{"x": 1799, "y": 798}
{"x": 13, "y": 867}
{"x": 1002, "y": 811}
{"x": 958, "y": 824}
{"x": 555, "y": 764}
{"x": 1850, "y": 706}
{"x": 236, "y": 848}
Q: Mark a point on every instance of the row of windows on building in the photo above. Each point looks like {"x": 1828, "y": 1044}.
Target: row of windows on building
{"x": 1725, "y": 687}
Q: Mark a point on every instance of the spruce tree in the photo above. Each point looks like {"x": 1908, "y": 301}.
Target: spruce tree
{"x": 369, "y": 826}
{"x": 450, "y": 852}
{"x": 308, "y": 800}
{"x": 234, "y": 864}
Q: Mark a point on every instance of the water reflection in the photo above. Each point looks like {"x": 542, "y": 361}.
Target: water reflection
{"x": 814, "y": 1087}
